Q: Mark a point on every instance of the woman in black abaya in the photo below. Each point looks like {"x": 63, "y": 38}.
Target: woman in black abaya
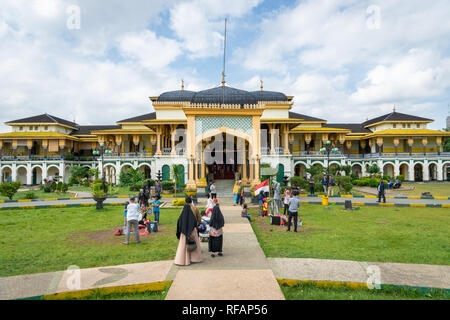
{"x": 187, "y": 229}
{"x": 216, "y": 231}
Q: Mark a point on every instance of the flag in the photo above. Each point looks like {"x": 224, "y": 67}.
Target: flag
{"x": 263, "y": 186}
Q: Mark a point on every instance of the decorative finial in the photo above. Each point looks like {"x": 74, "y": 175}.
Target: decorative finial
{"x": 367, "y": 118}
{"x": 223, "y": 78}
{"x": 182, "y": 84}
{"x": 261, "y": 85}
{"x": 394, "y": 108}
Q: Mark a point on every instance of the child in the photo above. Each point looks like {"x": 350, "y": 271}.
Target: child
{"x": 209, "y": 205}
{"x": 265, "y": 207}
{"x": 244, "y": 213}
{"x": 242, "y": 196}
{"x": 125, "y": 213}
{"x": 155, "y": 205}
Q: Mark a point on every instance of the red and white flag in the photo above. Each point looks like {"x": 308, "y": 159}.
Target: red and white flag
{"x": 263, "y": 186}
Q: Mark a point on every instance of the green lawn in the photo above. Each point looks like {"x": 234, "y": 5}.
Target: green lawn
{"x": 146, "y": 295}
{"x": 307, "y": 291}
{"x": 40, "y": 194}
{"x": 373, "y": 234}
{"x": 116, "y": 191}
{"x": 45, "y": 240}
{"x": 437, "y": 189}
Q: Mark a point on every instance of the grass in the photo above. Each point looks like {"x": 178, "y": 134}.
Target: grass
{"x": 40, "y": 194}
{"x": 117, "y": 191}
{"x": 146, "y": 295}
{"x": 308, "y": 291}
{"x": 46, "y": 240}
{"x": 373, "y": 234}
{"x": 436, "y": 189}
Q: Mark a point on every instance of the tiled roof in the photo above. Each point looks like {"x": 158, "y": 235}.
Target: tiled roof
{"x": 44, "y": 118}
{"x": 85, "y": 130}
{"x": 148, "y": 116}
{"x": 394, "y": 116}
{"x": 354, "y": 127}
{"x": 294, "y": 115}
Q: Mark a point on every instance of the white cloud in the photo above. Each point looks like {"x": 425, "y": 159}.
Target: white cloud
{"x": 199, "y": 23}
{"x": 150, "y": 51}
{"x": 421, "y": 74}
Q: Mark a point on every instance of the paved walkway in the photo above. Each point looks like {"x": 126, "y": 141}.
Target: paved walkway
{"x": 242, "y": 273}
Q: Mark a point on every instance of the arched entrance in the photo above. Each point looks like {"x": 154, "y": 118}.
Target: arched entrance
{"x": 418, "y": 172}
{"x": 222, "y": 153}
{"x": 357, "y": 170}
{"x": 22, "y": 175}
{"x": 53, "y": 173}
{"x": 6, "y": 174}
{"x": 110, "y": 174}
{"x": 280, "y": 173}
{"x": 433, "y": 173}
{"x": 145, "y": 168}
{"x": 404, "y": 171}
{"x": 165, "y": 172}
{"x": 388, "y": 170}
{"x": 37, "y": 175}
{"x": 300, "y": 170}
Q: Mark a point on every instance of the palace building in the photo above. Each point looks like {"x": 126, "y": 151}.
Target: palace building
{"x": 217, "y": 132}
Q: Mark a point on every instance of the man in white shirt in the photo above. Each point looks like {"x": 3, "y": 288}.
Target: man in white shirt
{"x": 132, "y": 220}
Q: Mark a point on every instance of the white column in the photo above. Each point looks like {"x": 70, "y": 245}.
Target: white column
{"x": 396, "y": 168}
{"x": 363, "y": 169}
{"x": 14, "y": 172}
{"x": 62, "y": 171}
{"x": 44, "y": 171}
{"x": 440, "y": 174}
{"x": 29, "y": 174}
{"x": 426, "y": 171}
{"x": 411, "y": 171}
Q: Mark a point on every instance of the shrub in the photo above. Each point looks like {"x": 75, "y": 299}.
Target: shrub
{"x": 30, "y": 195}
{"x": 400, "y": 177}
{"x": 9, "y": 189}
{"x": 47, "y": 189}
{"x": 353, "y": 176}
{"x": 178, "y": 202}
{"x": 152, "y": 182}
{"x": 373, "y": 183}
{"x": 344, "y": 183}
{"x": 167, "y": 185}
{"x": 318, "y": 187}
{"x": 299, "y": 182}
{"x": 53, "y": 186}
{"x": 97, "y": 189}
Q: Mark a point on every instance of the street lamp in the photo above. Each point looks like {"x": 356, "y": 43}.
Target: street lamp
{"x": 328, "y": 149}
{"x": 101, "y": 152}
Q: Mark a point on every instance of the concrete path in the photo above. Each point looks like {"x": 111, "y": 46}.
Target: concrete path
{"x": 416, "y": 275}
{"x": 32, "y": 285}
{"x": 241, "y": 274}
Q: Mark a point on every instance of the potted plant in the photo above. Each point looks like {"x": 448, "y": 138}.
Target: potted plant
{"x": 99, "y": 195}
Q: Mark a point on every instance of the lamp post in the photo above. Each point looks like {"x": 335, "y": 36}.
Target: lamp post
{"x": 328, "y": 149}
{"x": 101, "y": 152}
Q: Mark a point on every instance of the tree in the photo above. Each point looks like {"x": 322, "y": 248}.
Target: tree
{"x": 77, "y": 173}
{"x": 9, "y": 189}
{"x": 315, "y": 170}
{"x": 373, "y": 169}
{"x": 132, "y": 178}
{"x": 177, "y": 175}
{"x": 447, "y": 142}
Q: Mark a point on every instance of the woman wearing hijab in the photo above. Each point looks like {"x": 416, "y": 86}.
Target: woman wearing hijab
{"x": 216, "y": 231}
{"x": 187, "y": 230}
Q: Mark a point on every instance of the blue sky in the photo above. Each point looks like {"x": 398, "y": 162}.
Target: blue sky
{"x": 342, "y": 60}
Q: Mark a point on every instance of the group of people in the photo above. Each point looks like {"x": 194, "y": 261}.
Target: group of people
{"x": 189, "y": 221}
{"x": 239, "y": 193}
{"x": 291, "y": 204}
{"x": 137, "y": 210}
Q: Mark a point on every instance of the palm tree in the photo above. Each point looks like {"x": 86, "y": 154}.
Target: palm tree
{"x": 176, "y": 169}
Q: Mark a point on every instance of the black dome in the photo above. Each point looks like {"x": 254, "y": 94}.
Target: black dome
{"x": 178, "y": 95}
{"x": 224, "y": 94}
{"x": 269, "y": 96}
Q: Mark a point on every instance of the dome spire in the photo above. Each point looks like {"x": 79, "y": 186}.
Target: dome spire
{"x": 261, "y": 85}
{"x": 224, "y": 52}
{"x": 182, "y": 84}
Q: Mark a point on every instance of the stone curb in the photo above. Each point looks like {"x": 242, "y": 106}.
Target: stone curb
{"x": 133, "y": 288}
{"x": 357, "y": 285}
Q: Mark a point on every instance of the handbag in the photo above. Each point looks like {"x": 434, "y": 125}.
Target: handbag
{"x": 191, "y": 245}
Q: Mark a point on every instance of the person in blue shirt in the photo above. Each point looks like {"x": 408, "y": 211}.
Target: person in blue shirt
{"x": 261, "y": 202}
{"x": 155, "y": 204}
{"x": 325, "y": 184}
{"x": 125, "y": 213}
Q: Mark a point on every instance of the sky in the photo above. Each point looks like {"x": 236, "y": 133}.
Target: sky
{"x": 98, "y": 61}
